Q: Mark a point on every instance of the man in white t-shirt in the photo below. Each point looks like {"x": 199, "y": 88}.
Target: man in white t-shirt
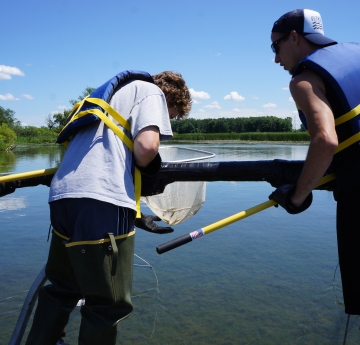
{"x": 92, "y": 210}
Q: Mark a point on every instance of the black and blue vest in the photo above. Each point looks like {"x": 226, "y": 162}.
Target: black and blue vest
{"x": 339, "y": 67}
{"x": 86, "y": 112}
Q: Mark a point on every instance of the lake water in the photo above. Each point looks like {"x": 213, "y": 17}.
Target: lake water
{"x": 268, "y": 279}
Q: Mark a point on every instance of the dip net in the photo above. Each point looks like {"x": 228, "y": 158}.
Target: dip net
{"x": 180, "y": 200}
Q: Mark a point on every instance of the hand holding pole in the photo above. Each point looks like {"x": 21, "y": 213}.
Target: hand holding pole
{"x": 177, "y": 242}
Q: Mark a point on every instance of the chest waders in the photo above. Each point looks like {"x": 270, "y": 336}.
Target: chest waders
{"x": 100, "y": 271}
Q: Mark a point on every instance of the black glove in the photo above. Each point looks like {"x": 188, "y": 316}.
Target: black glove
{"x": 153, "y": 167}
{"x": 282, "y": 196}
{"x": 146, "y": 222}
{"x": 7, "y": 188}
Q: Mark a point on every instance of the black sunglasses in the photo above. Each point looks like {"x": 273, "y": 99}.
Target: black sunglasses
{"x": 274, "y": 46}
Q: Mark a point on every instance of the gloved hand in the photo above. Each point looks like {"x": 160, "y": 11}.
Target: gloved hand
{"x": 282, "y": 196}
{"x": 7, "y": 188}
{"x": 153, "y": 167}
{"x": 146, "y": 222}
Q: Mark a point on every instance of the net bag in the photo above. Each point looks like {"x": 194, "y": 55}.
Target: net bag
{"x": 180, "y": 200}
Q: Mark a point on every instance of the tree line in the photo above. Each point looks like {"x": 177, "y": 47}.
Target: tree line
{"x": 11, "y": 130}
{"x": 233, "y": 125}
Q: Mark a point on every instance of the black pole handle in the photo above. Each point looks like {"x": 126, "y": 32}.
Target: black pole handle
{"x": 176, "y": 242}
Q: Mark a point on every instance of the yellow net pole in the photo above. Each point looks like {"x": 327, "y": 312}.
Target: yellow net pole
{"x": 177, "y": 242}
{"x": 29, "y": 174}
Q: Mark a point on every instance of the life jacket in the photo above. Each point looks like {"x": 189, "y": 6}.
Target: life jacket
{"x": 90, "y": 108}
{"x": 339, "y": 67}
{"x": 96, "y": 107}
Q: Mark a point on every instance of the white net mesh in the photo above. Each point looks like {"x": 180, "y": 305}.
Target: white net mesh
{"x": 180, "y": 200}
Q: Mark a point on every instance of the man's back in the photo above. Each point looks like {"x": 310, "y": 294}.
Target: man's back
{"x": 97, "y": 164}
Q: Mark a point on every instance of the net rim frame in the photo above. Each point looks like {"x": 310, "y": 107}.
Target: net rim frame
{"x": 209, "y": 154}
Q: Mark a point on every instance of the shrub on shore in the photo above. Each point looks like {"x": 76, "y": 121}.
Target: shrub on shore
{"x": 254, "y": 136}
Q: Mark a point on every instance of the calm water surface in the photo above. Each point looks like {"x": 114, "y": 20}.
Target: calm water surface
{"x": 268, "y": 279}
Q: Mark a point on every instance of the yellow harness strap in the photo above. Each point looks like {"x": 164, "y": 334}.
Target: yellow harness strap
{"x": 341, "y": 119}
{"x": 348, "y": 142}
{"x": 347, "y": 117}
{"x": 120, "y": 133}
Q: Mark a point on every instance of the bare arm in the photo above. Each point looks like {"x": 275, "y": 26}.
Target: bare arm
{"x": 308, "y": 92}
{"x": 146, "y": 145}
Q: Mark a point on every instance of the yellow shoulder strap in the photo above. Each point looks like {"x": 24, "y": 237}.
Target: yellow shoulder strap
{"x": 77, "y": 114}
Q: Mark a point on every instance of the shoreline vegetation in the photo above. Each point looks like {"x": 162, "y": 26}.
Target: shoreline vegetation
{"x": 241, "y": 129}
{"x": 246, "y": 137}
{"x": 194, "y": 138}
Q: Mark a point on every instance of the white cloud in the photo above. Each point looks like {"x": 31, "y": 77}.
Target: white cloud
{"x": 61, "y": 108}
{"x": 213, "y": 105}
{"x": 27, "y": 96}
{"x": 195, "y": 101}
{"x": 269, "y": 105}
{"x": 285, "y": 88}
{"x": 201, "y": 111}
{"x": 255, "y": 97}
{"x": 236, "y": 110}
{"x": 199, "y": 94}
{"x": 8, "y": 97}
{"x": 291, "y": 99}
{"x": 6, "y": 72}
{"x": 234, "y": 96}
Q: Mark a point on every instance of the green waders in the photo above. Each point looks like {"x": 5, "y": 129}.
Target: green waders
{"x": 101, "y": 272}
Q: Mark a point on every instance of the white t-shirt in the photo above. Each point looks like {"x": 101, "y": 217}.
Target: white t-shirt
{"x": 97, "y": 164}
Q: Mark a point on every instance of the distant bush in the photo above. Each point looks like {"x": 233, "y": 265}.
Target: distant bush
{"x": 263, "y": 124}
{"x": 254, "y": 136}
{"x": 35, "y": 135}
{"x": 7, "y": 136}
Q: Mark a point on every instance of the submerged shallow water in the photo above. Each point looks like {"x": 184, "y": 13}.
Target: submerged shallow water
{"x": 268, "y": 279}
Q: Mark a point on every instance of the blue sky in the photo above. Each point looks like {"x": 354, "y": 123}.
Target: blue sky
{"x": 50, "y": 51}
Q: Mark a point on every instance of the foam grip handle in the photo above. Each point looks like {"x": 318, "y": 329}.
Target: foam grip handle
{"x": 177, "y": 242}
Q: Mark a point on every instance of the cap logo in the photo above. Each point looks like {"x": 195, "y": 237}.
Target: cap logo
{"x": 312, "y": 22}
{"x": 317, "y": 23}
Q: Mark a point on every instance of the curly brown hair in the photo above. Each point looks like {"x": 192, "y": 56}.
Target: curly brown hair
{"x": 177, "y": 93}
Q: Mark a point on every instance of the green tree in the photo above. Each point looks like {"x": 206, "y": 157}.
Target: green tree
{"x": 49, "y": 122}
{"x": 85, "y": 93}
{"x": 58, "y": 120}
{"x": 8, "y": 116}
{"x": 7, "y": 136}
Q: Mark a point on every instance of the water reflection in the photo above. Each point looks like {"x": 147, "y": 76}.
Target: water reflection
{"x": 24, "y": 158}
{"x": 7, "y": 161}
{"x": 268, "y": 279}
{"x": 244, "y": 152}
{"x": 11, "y": 204}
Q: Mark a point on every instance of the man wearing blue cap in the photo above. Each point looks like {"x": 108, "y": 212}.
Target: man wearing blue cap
{"x": 325, "y": 86}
